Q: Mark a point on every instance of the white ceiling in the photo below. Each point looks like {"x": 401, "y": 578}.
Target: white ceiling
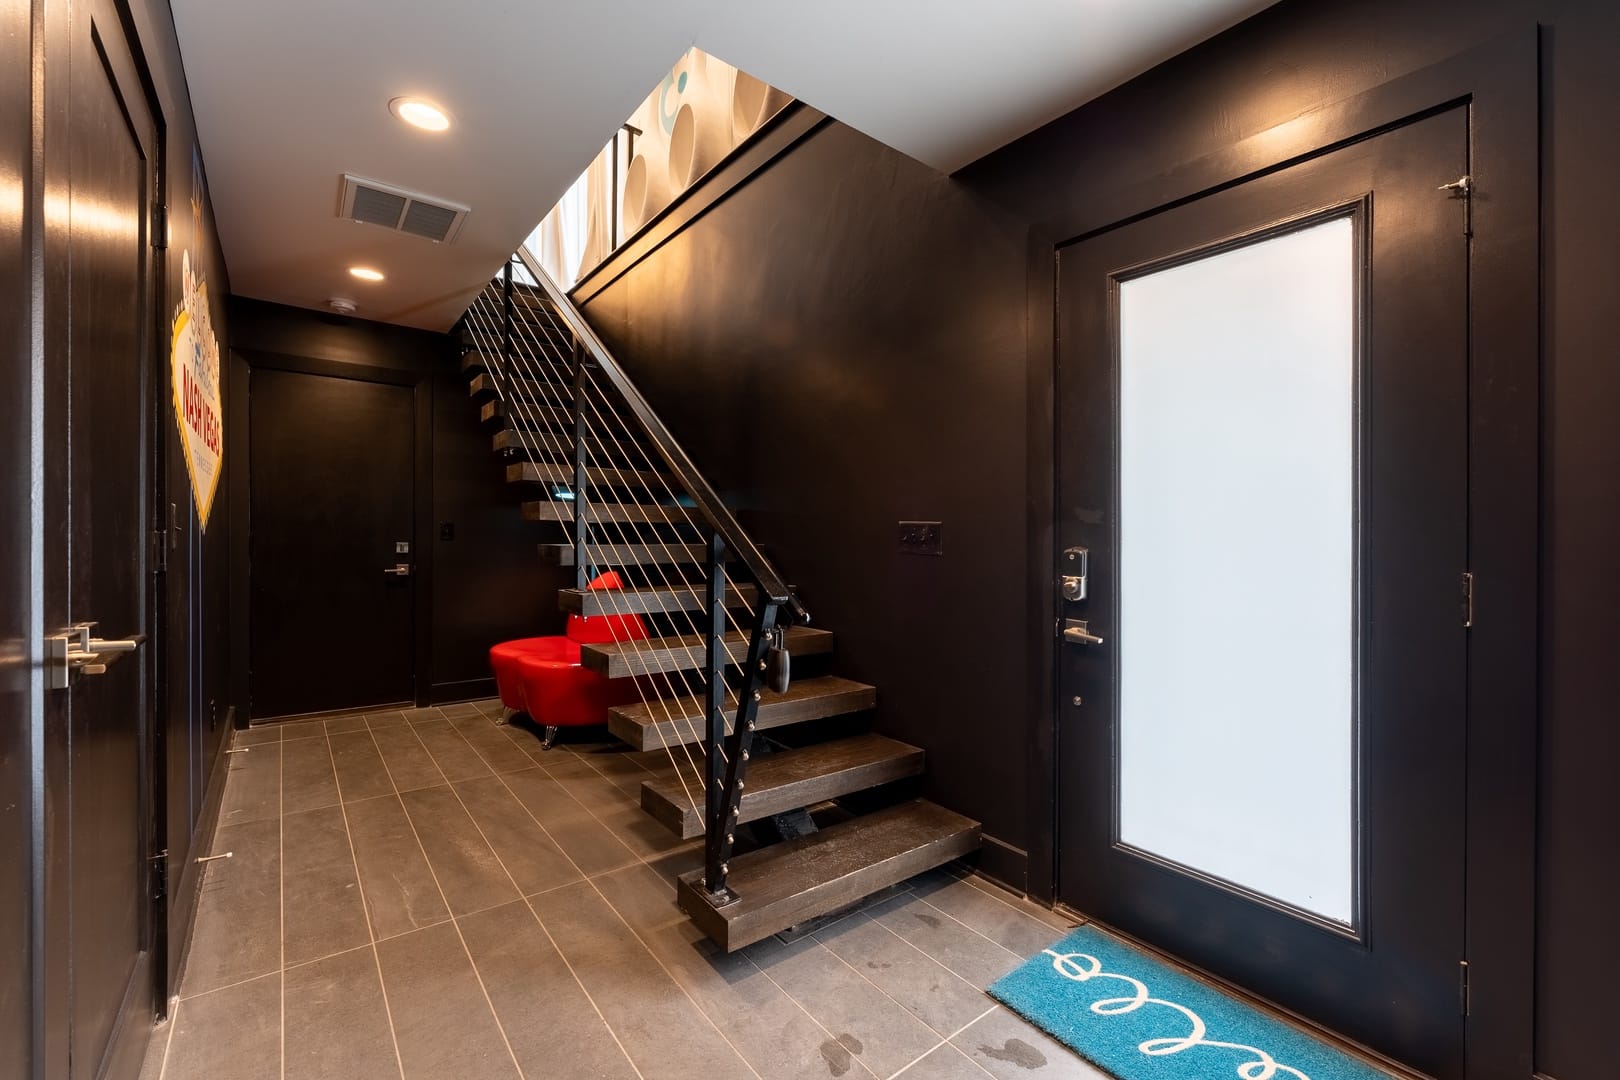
{"x": 289, "y": 94}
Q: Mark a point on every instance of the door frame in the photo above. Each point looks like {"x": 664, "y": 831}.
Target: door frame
{"x": 421, "y": 385}
{"x": 1499, "y": 84}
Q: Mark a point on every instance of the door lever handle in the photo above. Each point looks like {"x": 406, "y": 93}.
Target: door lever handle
{"x": 1075, "y": 632}
{"x": 78, "y": 651}
{"x": 398, "y": 570}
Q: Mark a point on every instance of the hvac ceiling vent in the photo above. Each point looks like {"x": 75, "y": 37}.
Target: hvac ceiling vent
{"x": 405, "y": 211}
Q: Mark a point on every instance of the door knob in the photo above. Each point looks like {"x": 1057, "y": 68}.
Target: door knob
{"x": 398, "y": 570}
{"x": 1075, "y": 632}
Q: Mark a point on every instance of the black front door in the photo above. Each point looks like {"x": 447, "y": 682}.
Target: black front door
{"x": 1262, "y": 482}
{"x": 332, "y": 548}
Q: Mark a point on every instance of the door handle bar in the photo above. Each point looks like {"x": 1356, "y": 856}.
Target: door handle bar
{"x": 1075, "y": 632}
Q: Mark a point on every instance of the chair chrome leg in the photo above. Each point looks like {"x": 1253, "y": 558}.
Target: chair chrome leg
{"x": 506, "y": 715}
{"x": 551, "y": 737}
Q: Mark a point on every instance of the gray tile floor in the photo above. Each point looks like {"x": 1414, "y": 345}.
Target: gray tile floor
{"x": 429, "y": 894}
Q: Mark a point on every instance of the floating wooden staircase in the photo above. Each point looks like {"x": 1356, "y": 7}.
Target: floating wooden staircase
{"x": 648, "y": 517}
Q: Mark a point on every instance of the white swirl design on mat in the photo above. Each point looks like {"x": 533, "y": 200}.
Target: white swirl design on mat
{"x": 1081, "y": 967}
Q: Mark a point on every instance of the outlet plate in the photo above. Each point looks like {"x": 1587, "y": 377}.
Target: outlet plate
{"x": 921, "y": 538}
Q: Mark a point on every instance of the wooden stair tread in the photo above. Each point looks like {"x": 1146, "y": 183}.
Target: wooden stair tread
{"x": 650, "y": 600}
{"x": 612, "y": 555}
{"x": 685, "y": 652}
{"x": 526, "y": 416}
{"x": 488, "y": 384}
{"x": 546, "y": 472}
{"x": 785, "y": 884}
{"x": 653, "y": 725}
{"x": 790, "y": 780}
{"x": 622, "y": 513}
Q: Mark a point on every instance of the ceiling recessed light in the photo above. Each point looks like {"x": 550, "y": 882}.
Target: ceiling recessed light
{"x": 366, "y": 273}
{"x": 419, "y": 113}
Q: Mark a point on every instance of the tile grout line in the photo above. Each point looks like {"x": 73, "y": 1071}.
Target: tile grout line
{"x": 544, "y": 929}
{"x": 801, "y": 1007}
{"x": 645, "y": 862}
{"x": 168, "y": 1041}
{"x": 859, "y": 974}
{"x": 562, "y": 783}
{"x": 970, "y": 877}
{"x": 971, "y": 982}
{"x": 462, "y": 938}
{"x": 680, "y": 985}
{"x": 873, "y": 921}
{"x": 648, "y": 864}
{"x": 590, "y": 880}
{"x": 365, "y": 906}
{"x": 974, "y": 930}
{"x": 946, "y": 1041}
{"x": 525, "y": 901}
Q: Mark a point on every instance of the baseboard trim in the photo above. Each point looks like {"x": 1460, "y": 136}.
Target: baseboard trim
{"x": 445, "y": 693}
{"x": 132, "y": 1030}
{"x": 184, "y": 891}
{"x": 1005, "y": 864}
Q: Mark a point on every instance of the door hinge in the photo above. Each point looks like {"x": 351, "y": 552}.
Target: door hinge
{"x": 160, "y": 551}
{"x": 1462, "y": 986}
{"x": 1468, "y": 599}
{"x": 160, "y": 226}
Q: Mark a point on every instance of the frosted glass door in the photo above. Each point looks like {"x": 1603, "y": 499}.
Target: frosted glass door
{"x": 1237, "y": 611}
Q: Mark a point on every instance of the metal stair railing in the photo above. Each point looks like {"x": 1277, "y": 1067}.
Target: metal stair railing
{"x": 559, "y": 354}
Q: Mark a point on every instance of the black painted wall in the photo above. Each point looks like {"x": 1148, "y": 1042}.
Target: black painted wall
{"x": 839, "y": 345}
{"x": 876, "y": 316}
{"x": 487, "y": 583}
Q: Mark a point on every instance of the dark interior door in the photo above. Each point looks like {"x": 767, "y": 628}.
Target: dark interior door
{"x": 16, "y": 612}
{"x": 101, "y": 490}
{"x": 332, "y": 501}
{"x": 1262, "y": 476}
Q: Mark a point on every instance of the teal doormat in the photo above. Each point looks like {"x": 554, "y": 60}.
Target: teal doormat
{"x": 1140, "y": 1019}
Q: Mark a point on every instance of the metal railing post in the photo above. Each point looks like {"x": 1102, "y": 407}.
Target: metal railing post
{"x": 502, "y": 373}
{"x": 740, "y": 745}
{"x": 582, "y": 501}
{"x": 715, "y": 852}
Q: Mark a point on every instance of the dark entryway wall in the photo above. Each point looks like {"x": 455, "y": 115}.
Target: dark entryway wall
{"x": 487, "y": 583}
{"x": 839, "y": 345}
{"x": 1086, "y": 171}
{"x": 876, "y": 314}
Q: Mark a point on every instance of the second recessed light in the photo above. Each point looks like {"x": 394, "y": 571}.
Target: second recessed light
{"x": 366, "y": 273}
{"x": 419, "y": 113}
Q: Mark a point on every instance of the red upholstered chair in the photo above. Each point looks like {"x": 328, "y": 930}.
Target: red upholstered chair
{"x": 542, "y": 676}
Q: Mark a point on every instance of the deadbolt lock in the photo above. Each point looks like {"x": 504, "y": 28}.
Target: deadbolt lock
{"x": 1077, "y": 560}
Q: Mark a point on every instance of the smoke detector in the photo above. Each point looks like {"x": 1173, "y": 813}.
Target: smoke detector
{"x": 343, "y": 305}
{"x": 373, "y": 203}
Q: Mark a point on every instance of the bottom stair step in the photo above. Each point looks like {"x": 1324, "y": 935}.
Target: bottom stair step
{"x": 791, "y": 780}
{"x": 783, "y": 885}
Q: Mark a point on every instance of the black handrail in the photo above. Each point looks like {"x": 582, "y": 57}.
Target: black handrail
{"x": 714, "y": 511}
